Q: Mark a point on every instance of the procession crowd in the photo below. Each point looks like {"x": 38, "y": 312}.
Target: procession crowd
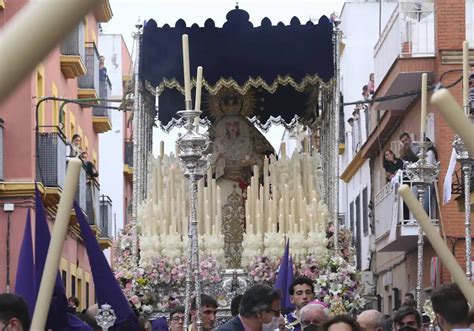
{"x": 260, "y": 309}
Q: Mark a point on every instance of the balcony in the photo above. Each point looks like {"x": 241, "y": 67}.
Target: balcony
{"x": 396, "y": 230}
{"x": 1, "y": 149}
{"x": 128, "y": 159}
{"x": 106, "y": 221}
{"x": 73, "y": 53}
{"x": 92, "y": 202}
{"x": 405, "y": 49}
{"x": 102, "y": 120}
{"x": 89, "y": 83}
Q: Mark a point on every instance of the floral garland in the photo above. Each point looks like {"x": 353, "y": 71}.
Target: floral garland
{"x": 159, "y": 284}
{"x": 336, "y": 280}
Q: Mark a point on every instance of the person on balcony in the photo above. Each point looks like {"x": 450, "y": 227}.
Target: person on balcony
{"x": 371, "y": 84}
{"x": 391, "y": 164}
{"x": 408, "y": 152}
{"x": 91, "y": 171}
{"x": 73, "y": 149}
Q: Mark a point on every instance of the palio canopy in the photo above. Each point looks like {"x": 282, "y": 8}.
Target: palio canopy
{"x": 266, "y": 71}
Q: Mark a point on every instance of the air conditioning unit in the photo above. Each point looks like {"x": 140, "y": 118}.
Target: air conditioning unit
{"x": 387, "y": 279}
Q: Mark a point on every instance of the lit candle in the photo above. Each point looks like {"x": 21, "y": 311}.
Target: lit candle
{"x": 187, "y": 78}
{"x": 283, "y": 150}
{"x": 58, "y": 237}
{"x": 449, "y": 261}
{"x": 454, "y": 115}
{"x": 465, "y": 76}
{"x": 197, "y": 105}
{"x": 424, "y": 92}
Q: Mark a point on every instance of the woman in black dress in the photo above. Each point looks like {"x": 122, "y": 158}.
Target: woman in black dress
{"x": 391, "y": 164}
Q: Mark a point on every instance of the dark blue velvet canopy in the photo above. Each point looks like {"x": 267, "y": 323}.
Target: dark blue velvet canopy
{"x": 281, "y": 66}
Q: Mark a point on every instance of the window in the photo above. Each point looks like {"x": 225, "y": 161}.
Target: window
{"x": 64, "y": 279}
{"x": 73, "y": 285}
{"x": 358, "y": 231}
{"x": 79, "y": 292}
{"x": 365, "y": 211}
{"x": 86, "y": 304}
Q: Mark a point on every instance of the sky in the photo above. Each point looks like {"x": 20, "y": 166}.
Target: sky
{"x": 127, "y": 12}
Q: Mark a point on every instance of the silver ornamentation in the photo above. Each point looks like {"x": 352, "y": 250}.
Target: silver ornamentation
{"x": 467, "y": 164}
{"x": 105, "y": 317}
{"x": 421, "y": 173}
{"x": 194, "y": 163}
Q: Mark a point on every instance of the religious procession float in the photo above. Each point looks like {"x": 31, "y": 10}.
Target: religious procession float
{"x": 250, "y": 200}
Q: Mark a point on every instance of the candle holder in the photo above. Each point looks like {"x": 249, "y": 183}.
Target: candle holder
{"x": 467, "y": 163}
{"x": 194, "y": 162}
{"x": 105, "y": 317}
{"x": 421, "y": 174}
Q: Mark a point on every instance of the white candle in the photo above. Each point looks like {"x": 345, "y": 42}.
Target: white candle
{"x": 208, "y": 224}
{"x": 283, "y": 150}
{"x": 449, "y": 261}
{"x": 465, "y": 76}
{"x": 186, "y": 71}
{"x": 455, "y": 117}
{"x": 159, "y": 177}
{"x": 424, "y": 92}
{"x": 162, "y": 148}
{"x": 197, "y": 105}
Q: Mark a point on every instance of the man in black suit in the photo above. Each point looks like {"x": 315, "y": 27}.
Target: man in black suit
{"x": 260, "y": 310}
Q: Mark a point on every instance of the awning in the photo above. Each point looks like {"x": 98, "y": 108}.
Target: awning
{"x": 270, "y": 70}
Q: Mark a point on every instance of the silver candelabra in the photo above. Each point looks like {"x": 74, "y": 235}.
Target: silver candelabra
{"x": 194, "y": 163}
{"x": 467, "y": 162}
{"x": 105, "y": 316}
{"x": 422, "y": 174}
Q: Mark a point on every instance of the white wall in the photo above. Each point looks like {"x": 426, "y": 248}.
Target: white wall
{"x": 360, "y": 27}
{"x": 111, "y": 142}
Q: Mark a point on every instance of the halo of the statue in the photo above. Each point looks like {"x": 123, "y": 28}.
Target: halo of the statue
{"x": 289, "y": 68}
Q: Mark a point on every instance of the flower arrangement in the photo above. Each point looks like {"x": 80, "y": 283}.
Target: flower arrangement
{"x": 263, "y": 270}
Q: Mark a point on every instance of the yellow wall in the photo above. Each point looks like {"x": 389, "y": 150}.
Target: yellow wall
{"x": 40, "y": 94}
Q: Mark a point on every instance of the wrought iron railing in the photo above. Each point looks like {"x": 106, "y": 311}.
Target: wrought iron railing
{"x": 128, "y": 153}
{"x": 389, "y": 206}
{"x": 106, "y": 216}
{"x": 74, "y": 44}
{"x": 91, "y": 79}
{"x": 104, "y": 93}
{"x": 51, "y": 157}
{"x": 92, "y": 202}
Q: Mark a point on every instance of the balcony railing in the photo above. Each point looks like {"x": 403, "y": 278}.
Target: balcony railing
{"x": 106, "y": 216}
{"x": 91, "y": 79}
{"x": 128, "y": 154}
{"x": 51, "y": 158}
{"x": 408, "y": 33}
{"x": 92, "y": 202}
{"x": 74, "y": 43}
{"x": 104, "y": 92}
{"x": 393, "y": 218}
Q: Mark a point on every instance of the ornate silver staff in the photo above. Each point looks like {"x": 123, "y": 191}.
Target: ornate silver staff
{"x": 194, "y": 163}
{"x": 105, "y": 316}
{"x": 421, "y": 174}
{"x": 466, "y": 161}
{"x": 136, "y": 180}
{"x": 336, "y": 38}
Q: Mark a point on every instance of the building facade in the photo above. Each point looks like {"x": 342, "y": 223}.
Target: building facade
{"x": 35, "y": 136}
{"x": 419, "y": 37}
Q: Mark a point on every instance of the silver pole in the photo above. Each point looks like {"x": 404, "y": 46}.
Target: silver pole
{"x": 336, "y": 37}
{"x": 467, "y": 162}
{"x": 135, "y": 137}
{"x": 421, "y": 174}
{"x": 194, "y": 164}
